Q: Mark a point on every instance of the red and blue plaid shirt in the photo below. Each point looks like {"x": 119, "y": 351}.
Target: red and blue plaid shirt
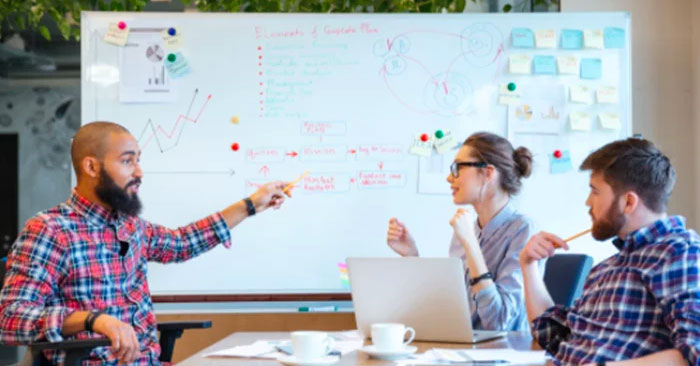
{"x": 642, "y": 300}
{"x": 67, "y": 259}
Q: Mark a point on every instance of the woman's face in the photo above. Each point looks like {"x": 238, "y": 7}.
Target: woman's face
{"x": 469, "y": 185}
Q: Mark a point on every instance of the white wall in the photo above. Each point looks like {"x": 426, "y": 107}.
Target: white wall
{"x": 665, "y": 110}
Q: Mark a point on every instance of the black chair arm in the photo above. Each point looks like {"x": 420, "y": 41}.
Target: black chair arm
{"x": 76, "y": 349}
{"x": 171, "y": 331}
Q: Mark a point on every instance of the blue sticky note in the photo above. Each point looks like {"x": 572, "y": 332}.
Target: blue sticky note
{"x": 560, "y": 165}
{"x": 523, "y": 38}
{"x": 544, "y": 65}
{"x": 591, "y": 68}
{"x": 571, "y": 39}
{"x": 178, "y": 66}
{"x": 614, "y": 37}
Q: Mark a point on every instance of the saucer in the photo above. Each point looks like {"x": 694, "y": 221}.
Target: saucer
{"x": 394, "y": 354}
{"x": 291, "y": 360}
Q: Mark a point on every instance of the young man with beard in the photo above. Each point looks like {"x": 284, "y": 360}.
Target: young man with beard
{"x": 642, "y": 305}
{"x": 79, "y": 269}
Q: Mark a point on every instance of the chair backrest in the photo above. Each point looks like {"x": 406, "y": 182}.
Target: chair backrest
{"x": 564, "y": 276}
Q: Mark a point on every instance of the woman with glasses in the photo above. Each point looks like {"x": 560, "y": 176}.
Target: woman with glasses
{"x": 485, "y": 174}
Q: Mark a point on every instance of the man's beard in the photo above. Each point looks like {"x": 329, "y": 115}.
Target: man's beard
{"x": 611, "y": 224}
{"x": 116, "y": 197}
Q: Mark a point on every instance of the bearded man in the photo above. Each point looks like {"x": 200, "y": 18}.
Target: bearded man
{"x": 78, "y": 270}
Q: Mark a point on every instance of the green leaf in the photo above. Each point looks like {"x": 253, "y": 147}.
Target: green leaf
{"x": 45, "y": 32}
{"x": 507, "y": 8}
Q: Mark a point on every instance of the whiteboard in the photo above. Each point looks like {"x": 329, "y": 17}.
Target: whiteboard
{"x": 343, "y": 96}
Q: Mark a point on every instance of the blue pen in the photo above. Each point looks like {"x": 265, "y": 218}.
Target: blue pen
{"x": 317, "y": 309}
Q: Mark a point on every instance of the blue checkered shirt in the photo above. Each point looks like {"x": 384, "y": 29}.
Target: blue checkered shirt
{"x": 642, "y": 300}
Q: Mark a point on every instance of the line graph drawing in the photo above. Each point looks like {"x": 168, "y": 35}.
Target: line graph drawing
{"x": 437, "y": 81}
{"x": 178, "y": 127}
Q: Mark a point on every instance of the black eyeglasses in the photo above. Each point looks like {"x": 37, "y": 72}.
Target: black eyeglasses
{"x": 454, "y": 168}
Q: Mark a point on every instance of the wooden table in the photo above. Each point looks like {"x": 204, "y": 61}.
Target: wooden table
{"x": 515, "y": 340}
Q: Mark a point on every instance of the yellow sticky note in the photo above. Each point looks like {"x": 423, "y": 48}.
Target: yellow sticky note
{"x": 506, "y": 96}
{"x": 545, "y": 38}
{"x": 609, "y": 120}
{"x": 519, "y": 64}
{"x": 117, "y": 33}
{"x": 446, "y": 143}
{"x": 420, "y": 147}
{"x": 580, "y": 94}
{"x": 593, "y": 38}
{"x": 580, "y": 121}
{"x": 607, "y": 94}
{"x": 568, "y": 65}
{"x": 172, "y": 41}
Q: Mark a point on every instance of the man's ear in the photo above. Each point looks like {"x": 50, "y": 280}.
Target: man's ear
{"x": 91, "y": 166}
{"x": 630, "y": 201}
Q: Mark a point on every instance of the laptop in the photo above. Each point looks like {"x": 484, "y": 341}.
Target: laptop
{"x": 428, "y": 294}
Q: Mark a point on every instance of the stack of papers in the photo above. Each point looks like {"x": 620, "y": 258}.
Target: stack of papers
{"x": 505, "y": 356}
{"x": 343, "y": 342}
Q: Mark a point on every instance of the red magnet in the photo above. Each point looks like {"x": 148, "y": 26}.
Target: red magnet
{"x": 121, "y": 25}
{"x": 557, "y": 154}
{"x": 235, "y": 146}
{"x": 424, "y": 137}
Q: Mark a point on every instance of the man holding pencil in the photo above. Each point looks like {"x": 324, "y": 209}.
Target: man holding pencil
{"x": 642, "y": 305}
{"x": 78, "y": 269}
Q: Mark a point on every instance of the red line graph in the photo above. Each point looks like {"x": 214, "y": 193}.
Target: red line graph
{"x": 181, "y": 118}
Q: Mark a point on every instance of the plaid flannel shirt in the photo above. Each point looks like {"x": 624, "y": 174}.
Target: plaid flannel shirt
{"x": 67, "y": 259}
{"x": 642, "y": 300}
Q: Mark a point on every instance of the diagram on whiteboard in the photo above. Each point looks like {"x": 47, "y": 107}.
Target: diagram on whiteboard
{"x": 446, "y": 89}
{"x": 167, "y": 136}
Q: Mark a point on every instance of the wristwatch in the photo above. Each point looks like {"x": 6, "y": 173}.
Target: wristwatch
{"x": 474, "y": 281}
{"x": 249, "y": 206}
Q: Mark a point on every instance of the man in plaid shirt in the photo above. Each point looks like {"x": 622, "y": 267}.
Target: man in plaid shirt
{"x": 642, "y": 305}
{"x": 79, "y": 269}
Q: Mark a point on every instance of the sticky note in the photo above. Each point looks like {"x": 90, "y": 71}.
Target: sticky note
{"x": 593, "y": 38}
{"x": 446, "y": 143}
{"x": 571, "y": 39}
{"x": 580, "y": 94}
{"x": 591, "y": 68}
{"x": 545, "y": 38}
{"x": 561, "y": 164}
{"x": 506, "y": 96}
{"x": 116, "y": 36}
{"x": 614, "y": 37}
{"x": 607, "y": 94}
{"x": 609, "y": 120}
{"x": 544, "y": 65}
{"x": 580, "y": 121}
{"x": 568, "y": 65}
{"x": 420, "y": 147}
{"x": 519, "y": 64}
{"x": 523, "y": 38}
{"x": 172, "y": 42}
{"x": 177, "y": 67}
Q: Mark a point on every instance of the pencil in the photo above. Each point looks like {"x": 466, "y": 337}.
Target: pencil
{"x": 574, "y": 237}
{"x": 577, "y": 235}
{"x": 291, "y": 185}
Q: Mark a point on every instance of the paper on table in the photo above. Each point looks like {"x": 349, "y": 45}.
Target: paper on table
{"x": 441, "y": 356}
{"x": 259, "y": 349}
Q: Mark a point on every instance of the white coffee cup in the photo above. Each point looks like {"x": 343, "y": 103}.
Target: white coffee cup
{"x": 310, "y": 345}
{"x": 390, "y": 336}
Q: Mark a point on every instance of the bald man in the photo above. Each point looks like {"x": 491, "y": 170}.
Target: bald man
{"x": 78, "y": 270}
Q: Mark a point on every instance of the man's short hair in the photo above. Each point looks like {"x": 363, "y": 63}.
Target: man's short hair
{"x": 90, "y": 140}
{"x": 635, "y": 165}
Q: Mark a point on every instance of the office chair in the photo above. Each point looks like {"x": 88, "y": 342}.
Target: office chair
{"x": 79, "y": 350}
{"x": 564, "y": 276}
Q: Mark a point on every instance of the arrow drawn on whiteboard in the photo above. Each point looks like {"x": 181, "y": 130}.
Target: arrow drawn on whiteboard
{"x": 229, "y": 172}
{"x": 264, "y": 170}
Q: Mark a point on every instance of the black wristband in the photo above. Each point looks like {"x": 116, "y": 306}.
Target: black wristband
{"x": 474, "y": 281}
{"x": 90, "y": 319}
{"x": 249, "y": 206}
